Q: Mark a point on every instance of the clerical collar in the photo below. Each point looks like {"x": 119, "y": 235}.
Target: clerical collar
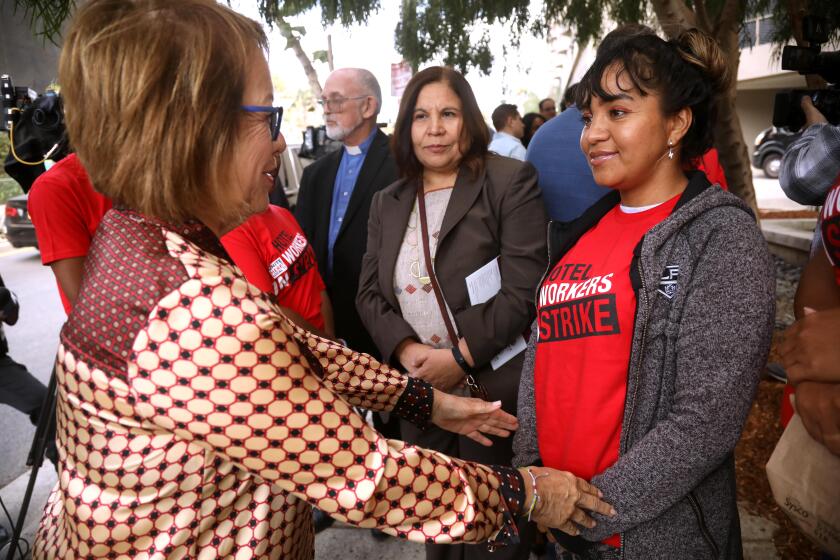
{"x": 363, "y": 147}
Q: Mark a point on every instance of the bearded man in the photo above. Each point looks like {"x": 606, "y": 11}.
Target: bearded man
{"x": 336, "y": 192}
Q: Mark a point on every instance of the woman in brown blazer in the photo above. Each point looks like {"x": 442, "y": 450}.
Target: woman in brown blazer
{"x": 474, "y": 207}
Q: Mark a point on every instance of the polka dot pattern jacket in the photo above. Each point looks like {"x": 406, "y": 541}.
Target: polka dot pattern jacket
{"x": 195, "y": 421}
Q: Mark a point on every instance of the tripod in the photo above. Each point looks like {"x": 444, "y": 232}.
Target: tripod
{"x": 46, "y": 426}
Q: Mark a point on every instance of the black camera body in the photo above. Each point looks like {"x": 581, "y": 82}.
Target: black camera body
{"x": 35, "y": 124}
{"x": 787, "y": 110}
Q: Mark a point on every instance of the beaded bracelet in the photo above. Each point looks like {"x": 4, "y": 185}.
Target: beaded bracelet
{"x": 536, "y": 495}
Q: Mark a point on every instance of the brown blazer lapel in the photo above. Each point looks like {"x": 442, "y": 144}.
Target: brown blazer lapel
{"x": 396, "y": 209}
{"x": 463, "y": 197}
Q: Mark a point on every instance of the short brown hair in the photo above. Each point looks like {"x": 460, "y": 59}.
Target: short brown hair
{"x": 474, "y": 136}
{"x": 502, "y": 113}
{"x": 152, "y": 91}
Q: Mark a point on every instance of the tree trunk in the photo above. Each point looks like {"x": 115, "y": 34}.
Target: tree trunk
{"x": 673, "y": 17}
{"x": 293, "y": 43}
{"x": 729, "y": 138}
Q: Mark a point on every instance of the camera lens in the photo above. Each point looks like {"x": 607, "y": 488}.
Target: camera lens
{"x": 45, "y": 118}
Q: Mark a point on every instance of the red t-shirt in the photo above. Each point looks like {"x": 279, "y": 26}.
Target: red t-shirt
{"x": 66, "y": 212}
{"x": 585, "y": 317}
{"x": 831, "y": 228}
{"x": 274, "y": 255}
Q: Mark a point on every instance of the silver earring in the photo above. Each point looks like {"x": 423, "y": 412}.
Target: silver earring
{"x": 670, "y": 150}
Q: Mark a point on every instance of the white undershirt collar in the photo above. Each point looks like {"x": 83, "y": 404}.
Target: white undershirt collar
{"x": 639, "y": 209}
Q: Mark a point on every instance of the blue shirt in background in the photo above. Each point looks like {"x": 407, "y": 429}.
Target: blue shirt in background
{"x": 564, "y": 174}
{"x": 345, "y": 181}
{"x": 507, "y": 145}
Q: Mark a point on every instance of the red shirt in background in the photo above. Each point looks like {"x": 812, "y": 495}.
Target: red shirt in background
{"x": 830, "y": 228}
{"x": 274, "y": 255}
{"x": 66, "y": 211}
{"x": 585, "y": 317}
{"x": 710, "y": 165}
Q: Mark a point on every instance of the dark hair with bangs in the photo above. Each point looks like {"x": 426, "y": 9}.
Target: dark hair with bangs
{"x": 689, "y": 71}
{"x": 474, "y": 136}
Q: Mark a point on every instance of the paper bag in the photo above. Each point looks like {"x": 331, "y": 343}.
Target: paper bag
{"x": 805, "y": 479}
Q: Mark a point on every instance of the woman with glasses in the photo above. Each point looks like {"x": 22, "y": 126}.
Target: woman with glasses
{"x": 459, "y": 216}
{"x": 194, "y": 420}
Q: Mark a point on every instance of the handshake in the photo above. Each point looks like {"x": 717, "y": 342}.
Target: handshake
{"x": 553, "y": 498}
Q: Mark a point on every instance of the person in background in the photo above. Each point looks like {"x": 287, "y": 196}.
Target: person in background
{"x": 276, "y": 257}
{"x": 565, "y": 177}
{"x": 709, "y": 164}
{"x": 532, "y": 122}
{"x": 18, "y": 387}
{"x": 811, "y": 165}
{"x": 810, "y": 174}
{"x": 548, "y": 109}
{"x": 568, "y": 98}
{"x": 509, "y": 132}
{"x": 336, "y": 191}
{"x": 66, "y": 210}
{"x": 646, "y": 352}
{"x": 461, "y": 208}
{"x": 194, "y": 419}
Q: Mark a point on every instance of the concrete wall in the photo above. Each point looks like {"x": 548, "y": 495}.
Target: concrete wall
{"x": 755, "y": 108}
{"x": 28, "y": 60}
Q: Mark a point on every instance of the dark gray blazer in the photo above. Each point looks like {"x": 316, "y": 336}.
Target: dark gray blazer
{"x": 498, "y": 213}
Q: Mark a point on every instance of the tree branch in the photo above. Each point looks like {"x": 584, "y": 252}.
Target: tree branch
{"x": 703, "y": 21}
{"x": 293, "y": 43}
{"x": 730, "y": 16}
{"x": 674, "y": 16}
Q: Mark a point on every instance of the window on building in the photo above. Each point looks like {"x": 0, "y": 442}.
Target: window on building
{"x": 766, "y": 29}
{"x": 746, "y": 38}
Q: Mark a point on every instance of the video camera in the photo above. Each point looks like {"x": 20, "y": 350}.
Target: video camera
{"x": 35, "y": 124}
{"x": 787, "y": 110}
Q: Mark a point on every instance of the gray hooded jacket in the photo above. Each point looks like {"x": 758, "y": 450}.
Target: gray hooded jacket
{"x": 698, "y": 348}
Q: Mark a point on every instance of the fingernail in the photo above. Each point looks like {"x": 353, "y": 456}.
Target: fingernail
{"x": 600, "y": 494}
{"x": 613, "y": 512}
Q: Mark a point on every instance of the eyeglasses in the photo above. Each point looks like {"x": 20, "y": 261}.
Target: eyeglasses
{"x": 273, "y": 122}
{"x": 335, "y": 104}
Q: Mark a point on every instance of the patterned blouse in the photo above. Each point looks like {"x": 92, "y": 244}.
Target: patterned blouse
{"x": 418, "y": 305}
{"x": 195, "y": 421}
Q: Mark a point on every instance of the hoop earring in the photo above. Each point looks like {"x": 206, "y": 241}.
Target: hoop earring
{"x": 670, "y": 150}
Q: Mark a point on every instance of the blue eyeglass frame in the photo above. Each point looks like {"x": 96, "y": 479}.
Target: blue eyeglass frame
{"x": 274, "y": 121}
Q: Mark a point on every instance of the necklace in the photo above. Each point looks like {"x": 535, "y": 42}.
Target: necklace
{"x": 414, "y": 267}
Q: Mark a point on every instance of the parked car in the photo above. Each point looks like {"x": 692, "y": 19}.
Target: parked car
{"x": 19, "y": 229}
{"x": 770, "y": 146}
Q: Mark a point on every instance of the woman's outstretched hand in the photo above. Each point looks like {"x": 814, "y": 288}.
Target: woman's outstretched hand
{"x": 473, "y": 418}
{"x": 565, "y": 500}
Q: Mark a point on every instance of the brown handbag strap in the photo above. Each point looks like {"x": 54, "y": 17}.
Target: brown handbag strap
{"x": 427, "y": 256}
